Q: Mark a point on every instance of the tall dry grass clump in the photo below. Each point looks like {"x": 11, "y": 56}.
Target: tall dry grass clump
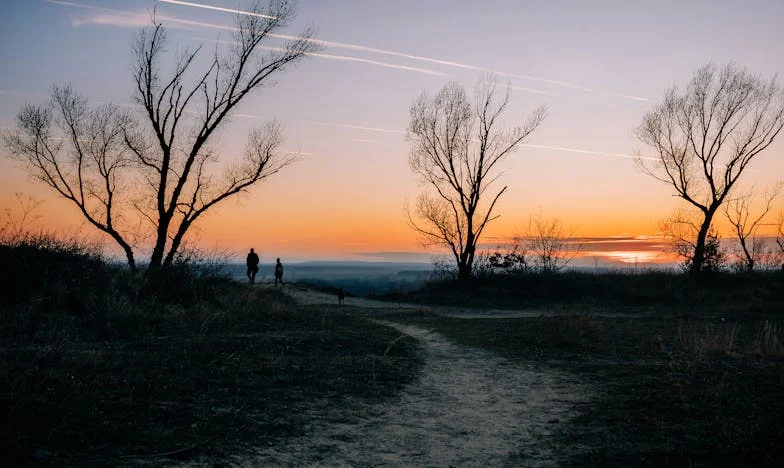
{"x": 770, "y": 339}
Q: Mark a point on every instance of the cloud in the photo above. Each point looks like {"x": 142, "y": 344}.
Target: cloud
{"x": 113, "y": 19}
{"x": 103, "y": 16}
{"x": 398, "y": 256}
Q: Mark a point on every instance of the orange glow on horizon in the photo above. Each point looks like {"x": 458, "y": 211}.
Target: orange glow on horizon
{"x": 634, "y": 256}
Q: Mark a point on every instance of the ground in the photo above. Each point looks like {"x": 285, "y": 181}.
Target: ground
{"x": 468, "y": 407}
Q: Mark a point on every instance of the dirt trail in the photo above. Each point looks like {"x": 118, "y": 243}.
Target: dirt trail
{"x": 306, "y": 296}
{"x": 468, "y": 408}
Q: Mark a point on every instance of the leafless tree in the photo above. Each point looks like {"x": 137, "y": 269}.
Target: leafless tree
{"x": 780, "y": 238}
{"x": 19, "y": 222}
{"x": 550, "y": 245}
{"x": 738, "y": 211}
{"x": 159, "y": 167}
{"x": 680, "y": 230}
{"x": 80, "y": 154}
{"x": 706, "y": 135}
{"x": 456, "y": 150}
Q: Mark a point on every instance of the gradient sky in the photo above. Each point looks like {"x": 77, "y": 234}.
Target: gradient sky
{"x": 597, "y": 65}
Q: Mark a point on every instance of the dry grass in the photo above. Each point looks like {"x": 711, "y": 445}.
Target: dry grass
{"x": 694, "y": 391}
{"x": 100, "y": 368}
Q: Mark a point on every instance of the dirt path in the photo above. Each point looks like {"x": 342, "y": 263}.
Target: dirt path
{"x": 469, "y": 408}
{"x": 306, "y": 296}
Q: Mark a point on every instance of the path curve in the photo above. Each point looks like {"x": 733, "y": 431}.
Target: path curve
{"x": 307, "y": 296}
{"x": 468, "y": 408}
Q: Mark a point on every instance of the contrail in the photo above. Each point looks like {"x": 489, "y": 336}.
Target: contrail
{"x": 210, "y": 7}
{"x": 133, "y": 19}
{"x": 400, "y": 132}
{"x": 342, "y": 57}
{"x": 532, "y": 90}
{"x": 380, "y": 64}
{"x": 353, "y": 127}
{"x": 330, "y": 124}
{"x": 430, "y": 59}
{"x": 582, "y": 151}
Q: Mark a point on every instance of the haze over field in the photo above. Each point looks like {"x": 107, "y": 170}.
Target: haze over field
{"x": 598, "y": 68}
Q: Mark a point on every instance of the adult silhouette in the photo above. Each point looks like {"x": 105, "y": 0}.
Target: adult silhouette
{"x": 253, "y": 265}
{"x": 279, "y": 273}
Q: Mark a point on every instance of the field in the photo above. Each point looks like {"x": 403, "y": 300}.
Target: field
{"x": 103, "y": 368}
{"x": 684, "y": 373}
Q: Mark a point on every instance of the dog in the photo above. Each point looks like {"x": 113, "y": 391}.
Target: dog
{"x": 341, "y": 295}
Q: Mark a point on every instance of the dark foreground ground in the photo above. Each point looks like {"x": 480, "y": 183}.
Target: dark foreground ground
{"x": 101, "y": 369}
{"x": 689, "y": 374}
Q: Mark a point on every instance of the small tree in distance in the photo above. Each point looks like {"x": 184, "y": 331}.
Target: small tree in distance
{"x": 146, "y": 178}
{"x": 456, "y": 150}
{"x": 705, "y": 136}
{"x": 739, "y": 214}
{"x": 780, "y": 239}
{"x": 550, "y": 245}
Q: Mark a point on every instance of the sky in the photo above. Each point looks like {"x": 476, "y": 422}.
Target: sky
{"x": 598, "y": 66}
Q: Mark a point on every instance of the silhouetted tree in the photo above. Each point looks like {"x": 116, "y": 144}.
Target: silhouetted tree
{"x": 550, "y": 246}
{"x": 680, "y": 230}
{"x": 713, "y": 259}
{"x": 738, "y": 212}
{"x": 780, "y": 238}
{"x": 707, "y": 134}
{"x": 456, "y": 149}
{"x": 156, "y": 168}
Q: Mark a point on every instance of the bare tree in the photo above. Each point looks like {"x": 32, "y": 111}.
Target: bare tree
{"x": 158, "y": 167}
{"x": 550, "y": 245}
{"x": 456, "y": 150}
{"x": 80, "y": 154}
{"x": 680, "y": 230}
{"x": 738, "y": 212}
{"x": 706, "y": 135}
{"x": 19, "y": 223}
{"x": 780, "y": 238}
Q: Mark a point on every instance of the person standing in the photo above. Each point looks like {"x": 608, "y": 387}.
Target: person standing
{"x": 279, "y": 273}
{"x": 253, "y": 266}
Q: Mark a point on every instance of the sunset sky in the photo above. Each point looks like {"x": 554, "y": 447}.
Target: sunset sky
{"x": 597, "y": 65}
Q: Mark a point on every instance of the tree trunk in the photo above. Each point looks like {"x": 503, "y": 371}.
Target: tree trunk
{"x": 466, "y": 261}
{"x": 160, "y": 245}
{"x": 463, "y": 272}
{"x": 698, "y": 260}
{"x": 129, "y": 257}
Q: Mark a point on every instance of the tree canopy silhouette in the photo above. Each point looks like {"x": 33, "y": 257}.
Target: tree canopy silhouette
{"x": 144, "y": 178}
{"x": 456, "y": 150}
{"x": 706, "y": 134}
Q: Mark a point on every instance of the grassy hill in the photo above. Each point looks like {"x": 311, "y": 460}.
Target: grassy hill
{"x": 99, "y": 367}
